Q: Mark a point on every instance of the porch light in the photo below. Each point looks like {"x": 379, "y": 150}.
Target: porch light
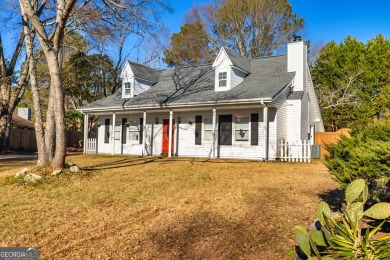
{"x": 156, "y": 120}
{"x": 190, "y": 121}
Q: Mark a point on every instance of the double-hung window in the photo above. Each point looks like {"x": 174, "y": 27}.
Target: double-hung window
{"x": 222, "y": 77}
{"x": 208, "y": 129}
{"x": 127, "y": 89}
{"x": 133, "y": 131}
{"x": 241, "y": 129}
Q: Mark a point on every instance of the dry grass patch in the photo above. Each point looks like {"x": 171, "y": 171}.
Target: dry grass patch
{"x": 132, "y": 207}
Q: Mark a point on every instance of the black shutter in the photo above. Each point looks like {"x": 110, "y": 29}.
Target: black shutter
{"x": 141, "y": 130}
{"x": 254, "y": 129}
{"x": 124, "y": 130}
{"x": 107, "y": 131}
{"x": 198, "y": 130}
{"x": 225, "y": 130}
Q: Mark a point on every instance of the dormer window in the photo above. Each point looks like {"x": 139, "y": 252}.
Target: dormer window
{"x": 222, "y": 79}
{"x": 127, "y": 89}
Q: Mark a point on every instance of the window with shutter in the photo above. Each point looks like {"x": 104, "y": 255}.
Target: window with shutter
{"x": 198, "y": 130}
{"x": 254, "y": 129}
{"x": 141, "y": 130}
{"x": 107, "y": 131}
{"x": 124, "y": 129}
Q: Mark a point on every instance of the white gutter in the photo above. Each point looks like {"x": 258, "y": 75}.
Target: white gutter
{"x": 180, "y": 105}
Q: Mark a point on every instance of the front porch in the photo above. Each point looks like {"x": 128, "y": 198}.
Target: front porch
{"x": 225, "y": 132}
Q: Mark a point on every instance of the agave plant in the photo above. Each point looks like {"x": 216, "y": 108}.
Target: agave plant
{"x": 340, "y": 237}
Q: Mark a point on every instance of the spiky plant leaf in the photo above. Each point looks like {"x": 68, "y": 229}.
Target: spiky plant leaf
{"x": 355, "y": 210}
{"x": 354, "y": 190}
{"x": 318, "y": 237}
{"x": 323, "y": 209}
{"x": 303, "y": 239}
{"x": 378, "y": 211}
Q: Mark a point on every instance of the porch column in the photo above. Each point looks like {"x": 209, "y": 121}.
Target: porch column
{"x": 214, "y": 123}
{"x": 113, "y": 133}
{"x": 85, "y": 132}
{"x": 144, "y": 135}
{"x": 265, "y": 116}
{"x": 170, "y": 134}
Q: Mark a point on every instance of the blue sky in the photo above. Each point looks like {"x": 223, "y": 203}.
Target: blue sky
{"x": 324, "y": 20}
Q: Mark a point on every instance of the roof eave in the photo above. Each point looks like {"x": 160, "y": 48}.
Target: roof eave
{"x": 179, "y": 105}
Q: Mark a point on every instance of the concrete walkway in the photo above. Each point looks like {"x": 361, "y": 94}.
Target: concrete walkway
{"x": 17, "y": 156}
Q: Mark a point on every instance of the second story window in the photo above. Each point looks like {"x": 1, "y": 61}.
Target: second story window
{"x": 127, "y": 88}
{"x": 222, "y": 79}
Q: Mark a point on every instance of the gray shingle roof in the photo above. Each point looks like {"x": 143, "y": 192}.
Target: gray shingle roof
{"x": 297, "y": 95}
{"x": 196, "y": 84}
{"x": 144, "y": 72}
{"x": 239, "y": 61}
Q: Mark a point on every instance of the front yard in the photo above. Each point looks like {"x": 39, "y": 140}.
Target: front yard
{"x": 133, "y": 207}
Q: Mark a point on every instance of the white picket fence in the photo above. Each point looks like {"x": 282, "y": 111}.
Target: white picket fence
{"x": 299, "y": 151}
{"x": 91, "y": 145}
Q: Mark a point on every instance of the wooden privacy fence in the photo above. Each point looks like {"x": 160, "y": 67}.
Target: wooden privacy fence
{"x": 91, "y": 145}
{"x": 326, "y": 138}
{"x": 25, "y": 140}
{"x": 299, "y": 151}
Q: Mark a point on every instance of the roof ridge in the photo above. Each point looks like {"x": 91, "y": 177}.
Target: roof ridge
{"x": 143, "y": 65}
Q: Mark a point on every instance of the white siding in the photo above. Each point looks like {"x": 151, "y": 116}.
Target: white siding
{"x": 141, "y": 86}
{"x": 293, "y": 120}
{"x": 281, "y": 110}
{"x": 184, "y": 144}
{"x": 127, "y": 76}
{"x": 314, "y": 108}
{"x": 237, "y": 76}
{"x": 297, "y": 62}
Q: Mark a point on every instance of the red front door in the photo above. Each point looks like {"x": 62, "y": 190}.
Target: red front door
{"x": 165, "y": 135}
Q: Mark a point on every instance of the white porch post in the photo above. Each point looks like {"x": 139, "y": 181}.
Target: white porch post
{"x": 144, "y": 135}
{"x": 265, "y": 116}
{"x": 214, "y": 123}
{"x": 113, "y": 133}
{"x": 170, "y": 134}
{"x": 85, "y": 133}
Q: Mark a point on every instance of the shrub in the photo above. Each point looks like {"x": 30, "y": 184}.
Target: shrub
{"x": 365, "y": 155}
{"x": 341, "y": 237}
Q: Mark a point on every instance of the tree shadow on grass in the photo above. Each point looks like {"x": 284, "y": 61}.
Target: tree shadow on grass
{"x": 334, "y": 198}
{"x": 126, "y": 162}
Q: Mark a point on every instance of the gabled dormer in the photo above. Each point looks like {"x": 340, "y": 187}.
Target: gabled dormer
{"x": 230, "y": 69}
{"x": 137, "y": 78}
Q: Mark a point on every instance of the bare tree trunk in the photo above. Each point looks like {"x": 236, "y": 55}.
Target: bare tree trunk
{"x": 41, "y": 146}
{"x": 50, "y": 126}
{"x": 59, "y": 110}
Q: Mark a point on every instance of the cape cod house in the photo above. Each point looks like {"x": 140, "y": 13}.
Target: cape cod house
{"x": 233, "y": 108}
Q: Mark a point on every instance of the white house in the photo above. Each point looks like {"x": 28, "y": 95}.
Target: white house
{"x": 233, "y": 108}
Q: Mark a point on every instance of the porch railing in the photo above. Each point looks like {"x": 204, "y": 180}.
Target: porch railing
{"x": 298, "y": 151}
{"x": 91, "y": 145}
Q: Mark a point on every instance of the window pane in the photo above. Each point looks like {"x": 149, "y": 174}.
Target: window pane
{"x": 241, "y": 135}
{"x": 127, "y": 88}
{"x": 133, "y": 136}
{"x": 208, "y": 124}
{"x": 223, "y": 83}
{"x": 242, "y": 123}
{"x": 208, "y": 136}
{"x": 241, "y": 129}
{"x": 222, "y": 75}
